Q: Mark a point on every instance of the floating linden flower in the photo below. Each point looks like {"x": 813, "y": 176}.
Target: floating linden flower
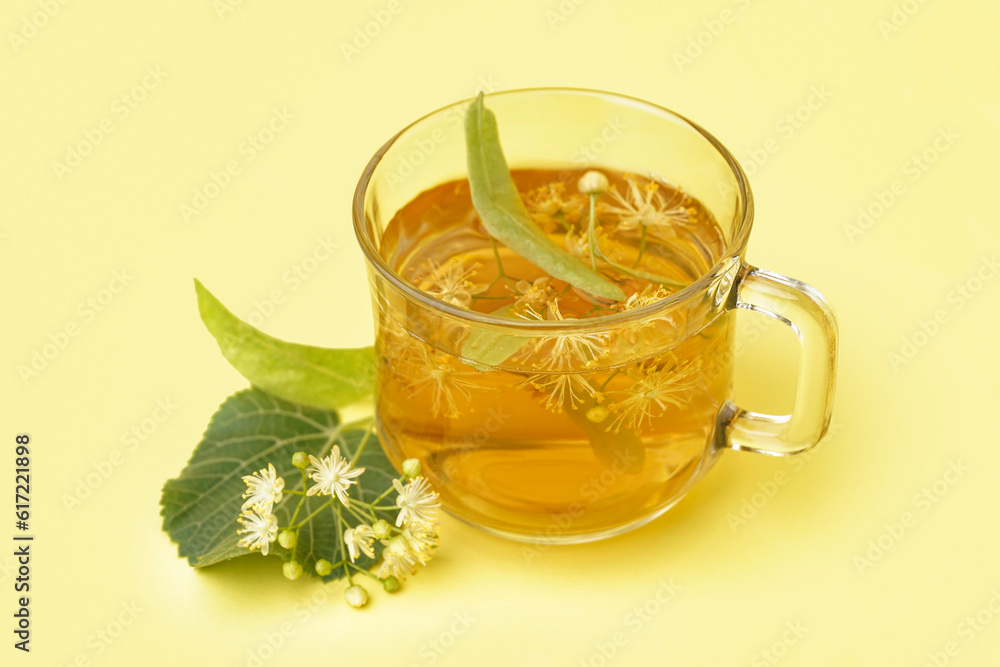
{"x": 652, "y": 391}
{"x": 645, "y": 206}
{"x": 547, "y": 202}
{"x": 566, "y": 351}
{"x": 431, "y": 370}
{"x": 648, "y": 296}
{"x": 561, "y": 389}
{"x": 577, "y": 244}
{"x": 451, "y": 283}
{"x": 535, "y": 294}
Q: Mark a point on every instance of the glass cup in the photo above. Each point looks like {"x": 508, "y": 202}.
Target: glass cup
{"x": 644, "y": 403}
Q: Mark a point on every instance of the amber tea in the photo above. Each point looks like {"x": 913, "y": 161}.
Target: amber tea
{"x": 579, "y": 439}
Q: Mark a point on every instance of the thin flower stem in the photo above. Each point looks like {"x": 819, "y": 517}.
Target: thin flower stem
{"x": 340, "y": 545}
{"x": 354, "y": 425}
{"x": 384, "y": 507}
{"x": 610, "y": 377}
{"x": 358, "y": 515}
{"x": 384, "y": 494}
{"x": 314, "y": 513}
{"x": 591, "y": 237}
{"x": 301, "y": 502}
{"x": 501, "y": 274}
{"x": 597, "y": 307}
{"x": 496, "y": 256}
{"x": 635, "y": 273}
{"x": 642, "y": 247}
{"x": 562, "y": 220}
{"x": 364, "y": 571}
{"x": 293, "y": 493}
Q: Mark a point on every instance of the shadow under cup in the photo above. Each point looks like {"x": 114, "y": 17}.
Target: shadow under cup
{"x": 650, "y": 415}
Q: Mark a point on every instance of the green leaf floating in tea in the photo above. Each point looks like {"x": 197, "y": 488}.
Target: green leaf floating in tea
{"x": 485, "y": 348}
{"x": 503, "y": 213}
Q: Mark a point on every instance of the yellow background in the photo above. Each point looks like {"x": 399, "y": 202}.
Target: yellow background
{"x": 900, "y": 426}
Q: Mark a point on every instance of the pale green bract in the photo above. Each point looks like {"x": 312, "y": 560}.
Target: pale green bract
{"x": 315, "y": 376}
{"x": 485, "y": 348}
{"x": 503, "y": 213}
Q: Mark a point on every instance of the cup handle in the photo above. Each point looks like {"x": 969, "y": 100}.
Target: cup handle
{"x": 803, "y": 309}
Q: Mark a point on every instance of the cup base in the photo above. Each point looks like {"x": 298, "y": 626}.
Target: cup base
{"x": 557, "y": 537}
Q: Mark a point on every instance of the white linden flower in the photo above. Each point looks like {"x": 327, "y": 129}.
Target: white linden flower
{"x": 652, "y": 391}
{"x": 561, "y": 389}
{"x": 546, "y": 203}
{"x": 416, "y": 502}
{"x": 398, "y": 559}
{"x": 422, "y": 539}
{"x": 535, "y": 294}
{"x": 648, "y": 209}
{"x": 432, "y": 370}
{"x": 360, "y": 539}
{"x": 263, "y": 490}
{"x": 451, "y": 282}
{"x": 646, "y": 297}
{"x": 333, "y": 475}
{"x": 567, "y": 350}
{"x": 260, "y": 530}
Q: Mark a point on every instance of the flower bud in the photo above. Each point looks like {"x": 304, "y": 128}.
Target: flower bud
{"x": 292, "y": 570}
{"x": 390, "y": 584}
{"x": 323, "y": 567}
{"x": 381, "y": 529}
{"x": 592, "y": 183}
{"x": 598, "y": 413}
{"x": 288, "y": 539}
{"x": 356, "y": 596}
{"x": 411, "y": 467}
{"x": 300, "y": 460}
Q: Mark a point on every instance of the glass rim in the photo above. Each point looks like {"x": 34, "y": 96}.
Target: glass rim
{"x": 734, "y": 249}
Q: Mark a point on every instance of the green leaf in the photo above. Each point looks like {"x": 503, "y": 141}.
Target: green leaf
{"x": 623, "y": 449}
{"x": 250, "y": 430}
{"x": 503, "y": 213}
{"x": 315, "y": 376}
{"x": 484, "y": 348}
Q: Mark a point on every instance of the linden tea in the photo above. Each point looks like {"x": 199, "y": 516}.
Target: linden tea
{"x": 577, "y": 438}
